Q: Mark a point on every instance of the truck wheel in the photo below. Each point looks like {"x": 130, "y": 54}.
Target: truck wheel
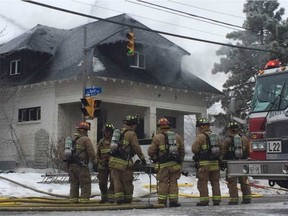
{"x": 271, "y": 183}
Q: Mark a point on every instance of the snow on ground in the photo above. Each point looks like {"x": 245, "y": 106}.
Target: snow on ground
{"x": 32, "y": 178}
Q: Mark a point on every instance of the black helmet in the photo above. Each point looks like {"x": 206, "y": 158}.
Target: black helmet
{"x": 108, "y": 127}
{"x": 202, "y": 121}
{"x": 131, "y": 119}
{"x": 233, "y": 125}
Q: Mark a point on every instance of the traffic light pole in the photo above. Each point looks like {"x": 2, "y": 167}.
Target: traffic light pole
{"x": 84, "y": 81}
{"x": 85, "y": 50}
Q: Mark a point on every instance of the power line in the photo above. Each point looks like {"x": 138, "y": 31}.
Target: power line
{"x": 155, "y": 20}
{"x": 193, "y": 15}
{"x": 205, "y": 9}
{"x": 146, "y": 29}
{"x": 180, "y": 14}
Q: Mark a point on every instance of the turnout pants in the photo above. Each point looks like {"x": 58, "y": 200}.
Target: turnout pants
{"x": 79, "y": 177}
{"x": 123, "y": 184}
{"x": 103, "y": 177}
{"x": 233, "y": 190}
{"x": 167, "y": 184}
{"x": 205, "y": 174}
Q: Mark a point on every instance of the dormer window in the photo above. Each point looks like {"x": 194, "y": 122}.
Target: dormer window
{"x": 15, "y": 67}
{"x": 138, "y": 61}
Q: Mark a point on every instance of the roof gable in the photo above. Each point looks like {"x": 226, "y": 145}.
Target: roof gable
{"x": 66, "y": 47}
{"x": 39, "y": 39}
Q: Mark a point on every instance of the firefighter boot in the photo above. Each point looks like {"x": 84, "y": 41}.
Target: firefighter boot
{"x": 174, "y": 204}
{"x": 246, "y": 201}
{"x": 232, "y": 203}
{"x": 201, "y": 203}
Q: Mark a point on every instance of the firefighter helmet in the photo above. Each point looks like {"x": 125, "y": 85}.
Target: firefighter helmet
{"x": 83, "y": 125}
{"x": 131, "y": 119}
{"x": 163, "y": 123}
{"x": 108, "y": 127}
{"x": 233, "y": 125}
{"x": 202, "y": 121}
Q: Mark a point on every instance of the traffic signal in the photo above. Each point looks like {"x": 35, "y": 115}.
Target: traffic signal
{"x": 91, "y": 107}
{"x": 88, "y": 109}
{"x": 130, "y": 43}
{"x": 97, "y": 110}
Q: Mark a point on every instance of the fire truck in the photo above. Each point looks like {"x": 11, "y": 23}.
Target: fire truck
{"x": 268, "y": 128}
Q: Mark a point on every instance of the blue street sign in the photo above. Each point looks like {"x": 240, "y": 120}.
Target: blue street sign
{"x": 92, "y": 91}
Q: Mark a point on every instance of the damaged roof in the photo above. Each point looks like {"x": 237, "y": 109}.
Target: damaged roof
{"x": 66, "y": 50}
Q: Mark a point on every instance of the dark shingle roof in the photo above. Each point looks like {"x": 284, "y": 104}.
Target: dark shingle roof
{"x": 40, "y": 39}
{"x": 66, "y": 48}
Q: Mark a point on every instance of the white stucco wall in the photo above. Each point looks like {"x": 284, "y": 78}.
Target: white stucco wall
{"x": 60, "y": 107}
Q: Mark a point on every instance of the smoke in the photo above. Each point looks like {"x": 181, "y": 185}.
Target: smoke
{"x": 15, "y": 23}
{"x": 202, "y": 66}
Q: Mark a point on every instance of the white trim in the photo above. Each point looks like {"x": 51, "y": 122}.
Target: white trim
{"x": 137, "y": 61}
{"x": 17, "y": 67}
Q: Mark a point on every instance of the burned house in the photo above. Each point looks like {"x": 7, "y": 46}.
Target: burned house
{"x": 45, "y": 71}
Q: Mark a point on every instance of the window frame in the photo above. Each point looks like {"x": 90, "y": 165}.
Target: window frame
{"x": 29, "y": 114}
{"x": 16, "y": 69}
{"x": 136, "y": 60}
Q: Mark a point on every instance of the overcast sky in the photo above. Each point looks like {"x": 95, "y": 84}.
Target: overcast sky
{"x": 17, "y": 17}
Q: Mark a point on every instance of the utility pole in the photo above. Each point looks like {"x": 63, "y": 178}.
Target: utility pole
{"x": 84, "y": 78}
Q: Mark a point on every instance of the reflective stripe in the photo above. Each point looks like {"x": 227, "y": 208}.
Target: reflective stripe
{"x": 204, "y": 199}
{"x": 162, "y": 147}
{"x": 79, "y": 147}
{"x": 169, "y": 163}
{"x": 119, "y": 160}
{"x": 247, "y": 197}
{"x": 207, "y": 162}
{"x": 218, "y": 198}
{"x": 162, "y": 196}
{"x": 128, "y": 196}
{"x": 233, "y": 199}
{"x": 126, "y": 142}
{"x": 105, "y": 150}
{"x": 204, "y": 147}
{"x": 110, "y": 196}
{"x": 119, "y": 195}
{"x": 173, "y": 196}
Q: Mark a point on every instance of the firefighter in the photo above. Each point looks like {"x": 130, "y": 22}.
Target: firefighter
{"x": 206, "y": 149}
{"x": 79, "y": 174}
{"x": 237, "y": 147}
{"x": 167, "y": 151}
{"x": 123, "y": 147}
{"x": 103, "y": 156}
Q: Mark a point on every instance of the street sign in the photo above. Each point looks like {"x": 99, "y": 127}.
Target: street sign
{"x": 92, "y": 91}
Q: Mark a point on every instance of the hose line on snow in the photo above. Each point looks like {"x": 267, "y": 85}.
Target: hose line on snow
{"x": 39, "y": 191}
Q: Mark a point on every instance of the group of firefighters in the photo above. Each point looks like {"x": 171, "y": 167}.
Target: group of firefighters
{"x": 114, "y": 163}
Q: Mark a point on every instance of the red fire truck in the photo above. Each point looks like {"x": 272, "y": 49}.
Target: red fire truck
{"x": 268, "y": 128}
